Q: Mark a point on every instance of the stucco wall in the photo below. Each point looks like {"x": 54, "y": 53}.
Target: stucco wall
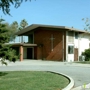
{"x": 84, "y": 40}
{"x": 75, "y": 44}
{"x": 81, "y": 43}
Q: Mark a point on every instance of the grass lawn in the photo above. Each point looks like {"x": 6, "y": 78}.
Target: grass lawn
{"x": 84, "y": 62}
{"x": 31, "y": 80}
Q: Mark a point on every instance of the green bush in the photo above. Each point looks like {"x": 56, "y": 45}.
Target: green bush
{"x": 86, "y": 53}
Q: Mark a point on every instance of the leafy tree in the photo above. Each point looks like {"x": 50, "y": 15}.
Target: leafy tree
{"x": 5, "y": 5}
{"x": 6, "y": 52}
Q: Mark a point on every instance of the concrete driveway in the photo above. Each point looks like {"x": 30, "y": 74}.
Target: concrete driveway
{"x": 79, "y": 72}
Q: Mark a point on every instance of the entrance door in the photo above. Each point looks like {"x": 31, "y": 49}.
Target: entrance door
{"x": 75, "y": 54}
{"x": 29, "y": 53}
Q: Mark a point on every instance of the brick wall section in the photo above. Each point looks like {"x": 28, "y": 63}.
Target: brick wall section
{"x": 35, "y": 52}
{"x": 44, "y": 52}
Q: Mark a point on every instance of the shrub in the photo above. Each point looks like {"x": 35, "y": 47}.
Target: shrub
{"x": 86, "y": 53}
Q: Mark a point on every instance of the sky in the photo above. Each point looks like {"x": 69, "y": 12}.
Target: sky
{"x": 51, "y": 12}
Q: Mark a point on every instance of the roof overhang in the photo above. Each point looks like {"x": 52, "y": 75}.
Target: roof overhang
{"x": 35, "y": 26}
{"x": 22, "y": 44}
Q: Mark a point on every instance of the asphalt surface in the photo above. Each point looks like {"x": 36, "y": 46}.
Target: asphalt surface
{"x": 79, "y": 72}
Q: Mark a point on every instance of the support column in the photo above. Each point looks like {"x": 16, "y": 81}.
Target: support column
{"x": 63, "y": 45}
{"x": 21, "y": 53}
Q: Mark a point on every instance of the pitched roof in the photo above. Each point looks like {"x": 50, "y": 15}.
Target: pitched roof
{"x": 34, "y": 26}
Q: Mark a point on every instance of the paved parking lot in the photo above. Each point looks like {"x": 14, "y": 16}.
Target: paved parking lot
{"x": 79, "y": 72}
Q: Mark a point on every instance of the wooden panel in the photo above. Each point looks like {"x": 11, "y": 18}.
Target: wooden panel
{"x": 75, "y": 54}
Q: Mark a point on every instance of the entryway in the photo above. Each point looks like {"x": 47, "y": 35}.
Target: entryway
{"x": 29, "y": 53}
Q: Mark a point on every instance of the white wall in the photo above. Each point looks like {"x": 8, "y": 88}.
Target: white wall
{"x": 84, "y": 40}
{"x": 81, "y": 43}
{"x": 76, "y": 43}
{"x": 69, "y": 57}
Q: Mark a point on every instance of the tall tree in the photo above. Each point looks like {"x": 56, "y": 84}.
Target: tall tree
{"x": 5, "y": 5}
{"x": 23, "y": 24}
{"x": 6, "y": 52}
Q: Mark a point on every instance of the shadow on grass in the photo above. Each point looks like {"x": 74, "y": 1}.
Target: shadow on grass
{"x": 3, "y": 73}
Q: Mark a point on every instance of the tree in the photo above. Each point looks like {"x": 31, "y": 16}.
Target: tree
{"x": 5, "y": 5}
{"x": 87, "y": 24}
{"x": 14, "y": 27}
{"x": 23, "y": 24}
{"x": 86, "y": 53}
{"x": 6, "y": 52}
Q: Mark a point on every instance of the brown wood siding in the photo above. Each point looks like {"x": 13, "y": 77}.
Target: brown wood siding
{"x": 75, "y": 54}
{"x": 43, "y": 37}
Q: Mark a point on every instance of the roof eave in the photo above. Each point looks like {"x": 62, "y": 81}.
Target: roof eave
{"x": 34, "y": 26}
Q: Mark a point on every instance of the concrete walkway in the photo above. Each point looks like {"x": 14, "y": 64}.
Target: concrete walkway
{"x": 79, "y": 72}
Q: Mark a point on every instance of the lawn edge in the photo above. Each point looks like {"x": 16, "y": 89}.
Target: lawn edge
{"x": 70, "y": 85}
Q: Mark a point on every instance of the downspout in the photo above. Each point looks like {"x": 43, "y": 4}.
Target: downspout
{"x": 63, "y": 46}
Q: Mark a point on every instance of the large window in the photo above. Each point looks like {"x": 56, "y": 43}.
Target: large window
{"x": 70, "y": 49}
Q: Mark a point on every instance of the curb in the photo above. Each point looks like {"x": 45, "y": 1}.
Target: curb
{"x": 70, "y": 85}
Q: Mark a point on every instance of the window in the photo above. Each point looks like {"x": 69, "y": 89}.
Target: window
{"x": 70, "y": 49}
{"x": 30, "y": 38}
{"x": 70, "y": 36}
{"x": 76, "y": 35}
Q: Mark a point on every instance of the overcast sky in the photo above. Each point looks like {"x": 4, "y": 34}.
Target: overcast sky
{"x": 51, "y": 12}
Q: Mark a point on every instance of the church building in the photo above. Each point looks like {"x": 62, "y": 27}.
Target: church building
{"x": 49, "y": 42}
